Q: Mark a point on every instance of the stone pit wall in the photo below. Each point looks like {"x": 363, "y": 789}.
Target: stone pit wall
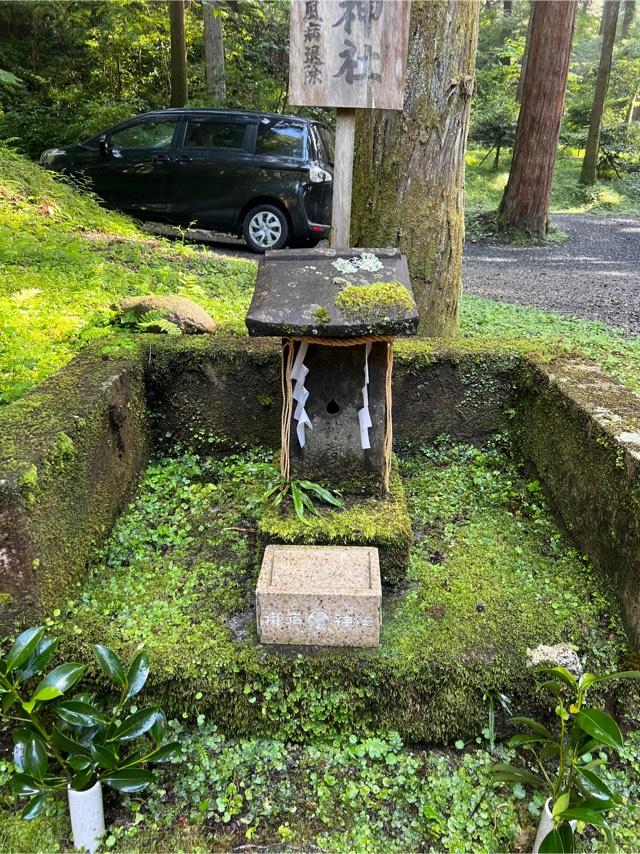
{"x": 72, "y": 450}
{"x": 581, "y": 430}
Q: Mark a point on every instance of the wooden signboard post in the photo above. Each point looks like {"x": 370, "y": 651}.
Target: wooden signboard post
{"x": 347, "y": 54}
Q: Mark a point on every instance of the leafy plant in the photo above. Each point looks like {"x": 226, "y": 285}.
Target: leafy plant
{"x": 300, "y": 492}
{"x": 73, "y": 742}
{"x": 153, "y": 320}
{"x": 572, "y": 760}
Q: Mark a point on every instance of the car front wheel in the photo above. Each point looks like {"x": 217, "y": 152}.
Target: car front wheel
{"x": 265, "y": 227}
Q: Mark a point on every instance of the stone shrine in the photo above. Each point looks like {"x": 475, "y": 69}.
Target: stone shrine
{"x": 337, "y": 313}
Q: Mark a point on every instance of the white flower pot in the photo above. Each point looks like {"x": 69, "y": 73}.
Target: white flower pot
{"x": 546, "y": 825}
{"x": 87, "y": 817}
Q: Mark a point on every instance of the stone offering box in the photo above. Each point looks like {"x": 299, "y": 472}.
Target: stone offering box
{"x": 337, "y": 313}
{"x": 320, "y": 596}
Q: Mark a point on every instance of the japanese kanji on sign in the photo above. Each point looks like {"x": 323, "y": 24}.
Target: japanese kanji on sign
{"x": 348, "y": 53}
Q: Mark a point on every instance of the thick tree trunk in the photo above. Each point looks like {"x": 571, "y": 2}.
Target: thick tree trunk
{"x": 628, "y": 17}
{"x": 525, "y": 203}
{"x": 178, "y": 54}
{"x": 610, "y": 20}
{"x": 214, "y": 52}
{"x": 409, "y": 165}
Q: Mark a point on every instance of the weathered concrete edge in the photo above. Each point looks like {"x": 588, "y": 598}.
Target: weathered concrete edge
{"x": 71, "y": 453}
{"x": 581, "y": 430}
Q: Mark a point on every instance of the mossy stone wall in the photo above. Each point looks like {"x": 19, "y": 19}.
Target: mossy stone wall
{"x": 70, "y": 456}
{"x": 224, "y": 386}
{"x": 582, "y": 432}
{"x": 231, "y": 387}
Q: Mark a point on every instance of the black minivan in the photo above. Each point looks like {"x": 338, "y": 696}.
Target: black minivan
{"x": 265, "y": 176}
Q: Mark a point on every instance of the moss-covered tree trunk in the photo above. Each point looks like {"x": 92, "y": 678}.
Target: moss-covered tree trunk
{"x": 609, "y": 24}
{"x": 409, "y": 165}
{"x": 525, "y": 203}
{"x": 178, "y": 54}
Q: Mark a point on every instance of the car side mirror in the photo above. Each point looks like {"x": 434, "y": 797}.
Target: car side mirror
{"x": 104, "y": 145}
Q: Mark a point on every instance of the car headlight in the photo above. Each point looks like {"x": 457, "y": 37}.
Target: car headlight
{"x": 319, "y": 176}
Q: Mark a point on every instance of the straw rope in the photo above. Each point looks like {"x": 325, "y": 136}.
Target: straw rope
{"x": 287, "y": 406}
{"x": 287, "y": 353}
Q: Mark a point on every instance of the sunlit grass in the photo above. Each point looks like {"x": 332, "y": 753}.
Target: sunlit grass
{"x": 484, "y": 186}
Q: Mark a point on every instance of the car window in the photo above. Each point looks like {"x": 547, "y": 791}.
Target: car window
{"x": 280, "y": 138}
{"x": 327, "y": 142}
{"x": 153, "y": 133}
{"x": 205, "y": 133}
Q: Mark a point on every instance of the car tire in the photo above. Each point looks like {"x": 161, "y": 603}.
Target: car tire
{"x": 265, "y": 227}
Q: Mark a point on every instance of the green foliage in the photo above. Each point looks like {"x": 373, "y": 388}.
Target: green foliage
{"x": 151, "y": 321}
{"x": 73, "y": 742}
{"x": 363, "y": 794}
{"x": 484, "y": 187}
{"x": 489, "y": 324}
{"x": 482, "y": 538}
{"x": 573, "y": 758}
{"x": 302, "y": 494}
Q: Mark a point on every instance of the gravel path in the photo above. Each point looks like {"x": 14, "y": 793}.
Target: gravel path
{"x": 594, "y": 275}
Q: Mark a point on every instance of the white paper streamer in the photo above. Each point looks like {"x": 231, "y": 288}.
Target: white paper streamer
{"x": 300, "y": 394}
{"x": 364, "y": 416}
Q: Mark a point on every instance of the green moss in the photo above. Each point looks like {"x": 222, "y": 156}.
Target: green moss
{"x": 382, "y": 522}
{"x": 42, "y": 834}
{"x": 265, "y": 400}
{"x": 490, "y": 575}
{"x": 321, "y": 315}
{"x": 370, "y": 302}
{"x": 67, "y": 468}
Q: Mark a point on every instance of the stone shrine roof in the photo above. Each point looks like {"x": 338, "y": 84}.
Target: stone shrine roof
{"x": 333, "y": 294}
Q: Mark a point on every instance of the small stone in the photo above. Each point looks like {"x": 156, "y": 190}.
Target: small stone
{"x": 562, "y": 655}
{"x": 186, "y": 314}
{"x": 480, "y": 607}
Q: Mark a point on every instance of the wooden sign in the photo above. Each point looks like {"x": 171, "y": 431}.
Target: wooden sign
{"x": 348, "y": 53}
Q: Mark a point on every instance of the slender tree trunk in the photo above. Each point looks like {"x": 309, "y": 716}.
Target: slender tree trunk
{"x": 631, "y": 109}
{"x": 610, "y": 20}
{"x": 409, "y": 165}
{"x": 525, "y": 57}
{"x": 525, "y": 203}
{"x": 214, "y": 51}
{"x": 628, "y": 17}
{"x": 178, "y": 54}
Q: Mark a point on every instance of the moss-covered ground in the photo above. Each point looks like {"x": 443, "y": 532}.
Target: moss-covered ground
{"x": 306, "y": 748}
{"x": 490, "y": 574}
{"x": 65, "y": 262}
